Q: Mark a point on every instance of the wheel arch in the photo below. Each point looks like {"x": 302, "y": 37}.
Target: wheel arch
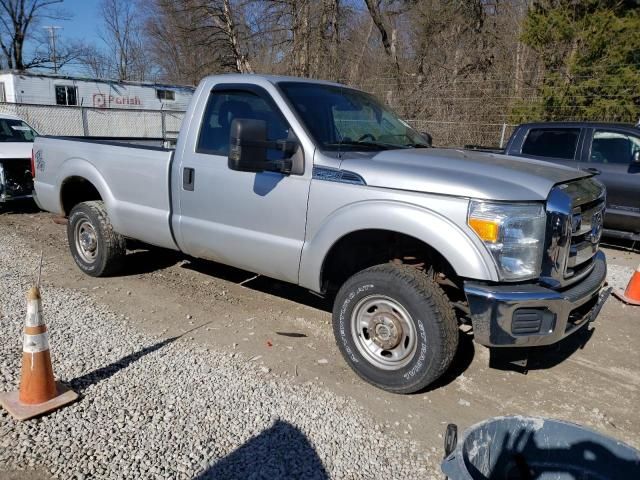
{"x": 79, "y": 181}
{"x": 440, "y": 237}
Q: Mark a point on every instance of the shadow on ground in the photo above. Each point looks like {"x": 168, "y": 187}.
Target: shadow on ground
{"x": 140, "y": 261}
{"x": 96, "y": 376}
{"x": 17, "y": 207}
{"x": 146, "y": 259}
{"x": 281, "y": 452}
{"x": 262, "y": 284}
{"x": 540, "y": 358}
{"x": 103, "y": 373}
{"x": 461, "y": 362}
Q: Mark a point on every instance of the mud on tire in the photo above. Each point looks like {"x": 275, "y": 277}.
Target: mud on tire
{"x": 95, "y": 247}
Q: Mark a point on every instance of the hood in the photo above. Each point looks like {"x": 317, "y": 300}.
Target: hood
{"x": 15, "y": 149}
{"x": 461, "y": 173}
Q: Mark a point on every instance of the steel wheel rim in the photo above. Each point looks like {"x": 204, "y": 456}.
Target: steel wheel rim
{"x": 383, "y": 332}
{"x": 86, "y": 241}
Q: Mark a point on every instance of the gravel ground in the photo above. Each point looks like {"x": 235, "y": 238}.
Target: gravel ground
{"x": 618, "y": 276}
{"x": 168, "y": 408}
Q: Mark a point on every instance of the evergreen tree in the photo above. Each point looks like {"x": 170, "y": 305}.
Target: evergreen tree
{"x": 590, "y": 53}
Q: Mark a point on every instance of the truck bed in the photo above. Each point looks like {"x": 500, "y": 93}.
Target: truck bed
{"x": 132, "y": 180}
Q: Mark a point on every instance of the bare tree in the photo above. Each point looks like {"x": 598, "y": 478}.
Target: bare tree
{"x": 228, "y": 26}
{"x": 387, "y": 29}
{"x": 18, "y": 18}
{"x": 220, "y": 30}
{"x": 95, "y": 62}
{"x": 121, "y": 36}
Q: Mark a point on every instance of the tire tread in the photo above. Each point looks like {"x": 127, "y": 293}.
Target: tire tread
{"x": 424, "y": 284}
{"x": 114, "y": 244}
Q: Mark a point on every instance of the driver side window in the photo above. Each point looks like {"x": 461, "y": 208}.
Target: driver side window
{"x": 224, "y": 106}
{"x": 613, "y": 147}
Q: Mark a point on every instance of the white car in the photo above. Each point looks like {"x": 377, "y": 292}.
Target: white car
{"x": 16, "y": 143}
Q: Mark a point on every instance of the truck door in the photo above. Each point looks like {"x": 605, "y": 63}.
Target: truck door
{"x": 247, "y": 220}
{"x": 611, "y": 159}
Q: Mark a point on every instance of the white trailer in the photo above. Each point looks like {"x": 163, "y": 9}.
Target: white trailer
{"x": 47, "y": 89}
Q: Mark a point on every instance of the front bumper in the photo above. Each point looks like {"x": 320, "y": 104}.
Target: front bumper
{"x": 7, "y": 198}
{"x": 529, "y": 315}
{"x": 15, "y": 183}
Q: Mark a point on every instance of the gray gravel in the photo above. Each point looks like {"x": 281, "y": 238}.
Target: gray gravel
{"x": 618, "y": 276}
{"x": 169, "y": 408}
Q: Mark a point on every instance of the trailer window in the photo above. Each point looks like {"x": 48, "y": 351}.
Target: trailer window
{"x": 66, "y": 95}
{"x": 3, "y": 95}
{"x": 165, "y": 94}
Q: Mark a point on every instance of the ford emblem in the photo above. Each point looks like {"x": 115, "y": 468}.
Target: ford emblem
{"x": 596, "y": 227}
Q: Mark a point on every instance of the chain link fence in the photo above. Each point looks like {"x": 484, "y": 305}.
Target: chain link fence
{"x": 97, "y": 122}
{"x": 114, "y": 122}
{"x": 461, "y": 134}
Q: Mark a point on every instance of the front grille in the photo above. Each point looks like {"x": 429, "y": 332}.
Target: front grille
{"x": 575, "y": 214}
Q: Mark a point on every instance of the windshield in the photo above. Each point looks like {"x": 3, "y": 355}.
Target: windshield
{"x": 341, "y": 118}
{"x": 13, "y": 130}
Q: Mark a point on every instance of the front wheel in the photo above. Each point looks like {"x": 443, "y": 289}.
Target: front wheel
{"x": 395, "y": 327}
{"x": 95, "y": 247}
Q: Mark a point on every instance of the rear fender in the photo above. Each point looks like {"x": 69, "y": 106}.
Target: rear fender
{"x": 79, "y": 167}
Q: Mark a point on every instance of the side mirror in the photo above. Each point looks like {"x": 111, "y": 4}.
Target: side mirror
{"x": 428, "y": 138}
{"x": 248, "y": 145}
{"x": 636, "y": 157}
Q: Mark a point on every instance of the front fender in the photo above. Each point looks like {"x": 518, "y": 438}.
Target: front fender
{"x": 468, "y": 258}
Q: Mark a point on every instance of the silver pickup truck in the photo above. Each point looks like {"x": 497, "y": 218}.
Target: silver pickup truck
{"x": 321, "y": 185}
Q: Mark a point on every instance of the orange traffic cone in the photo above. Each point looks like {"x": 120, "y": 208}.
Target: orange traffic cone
{"x": 632, "y": 294}
{"x": 39, "y": 393}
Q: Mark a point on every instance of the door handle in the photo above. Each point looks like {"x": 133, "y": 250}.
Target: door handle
{"x": 595, "y": 171}
{"x": 188, "y": 179}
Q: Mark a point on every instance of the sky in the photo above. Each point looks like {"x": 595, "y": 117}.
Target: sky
{"x": 84, "y": 24}
{"x": 85, "y": 21}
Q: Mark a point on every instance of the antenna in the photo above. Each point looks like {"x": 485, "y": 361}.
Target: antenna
{"x": 39, "y": 270}
{"x": 52, "y": 35}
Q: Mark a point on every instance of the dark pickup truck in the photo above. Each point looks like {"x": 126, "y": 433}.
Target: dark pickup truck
{"x": 609, "y": 150}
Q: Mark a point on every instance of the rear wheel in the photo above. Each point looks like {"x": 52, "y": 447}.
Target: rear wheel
{"x": 395, "y": 327}
{"x": 95, "y": 247}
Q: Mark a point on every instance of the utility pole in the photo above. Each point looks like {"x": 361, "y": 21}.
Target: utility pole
{"x": 52, "y": 35}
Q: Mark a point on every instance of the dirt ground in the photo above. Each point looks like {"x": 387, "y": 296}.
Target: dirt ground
{"x": 591, "y": 378}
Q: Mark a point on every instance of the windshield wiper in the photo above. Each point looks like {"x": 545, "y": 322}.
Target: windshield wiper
{"x": 419, "y": 145}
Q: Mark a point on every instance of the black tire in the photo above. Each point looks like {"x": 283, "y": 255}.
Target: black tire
{"x": 435, "y": 326}
{"x": 110, "y": 246}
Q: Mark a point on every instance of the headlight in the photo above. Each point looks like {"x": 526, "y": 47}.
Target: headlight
{"x": 514, "y": 234}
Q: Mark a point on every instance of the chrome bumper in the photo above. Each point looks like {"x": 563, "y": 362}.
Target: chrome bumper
{"x": 529, "y": 315}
